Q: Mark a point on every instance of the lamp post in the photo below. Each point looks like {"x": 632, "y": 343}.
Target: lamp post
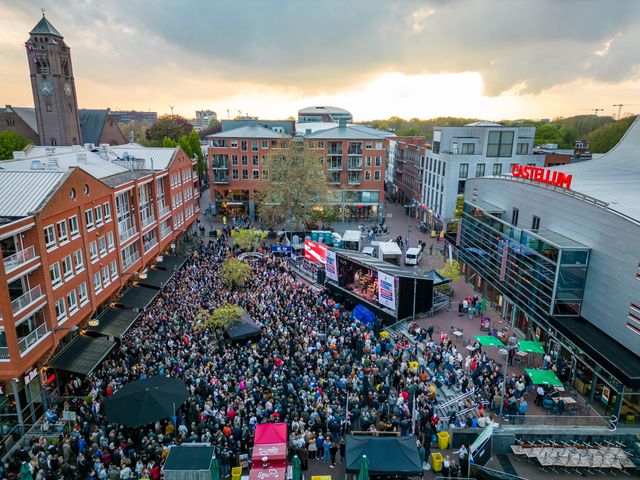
{"x": 504, "y": 351}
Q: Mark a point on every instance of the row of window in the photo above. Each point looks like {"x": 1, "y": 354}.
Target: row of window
{"x": 177, "y": 179}
{"x": 244, "y": 144}
{"x": 103, "y": 278}
{"x": 68, "y": 306}
{"x": 101, "y": 247}
{"x": 69, "y": 229}
{"x": 69, "y": 266}
{"x": 480, "y": 169}
{"x": 498, "y": 147}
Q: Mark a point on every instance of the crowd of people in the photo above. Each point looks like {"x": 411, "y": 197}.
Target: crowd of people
{"x": 313, "y": 367}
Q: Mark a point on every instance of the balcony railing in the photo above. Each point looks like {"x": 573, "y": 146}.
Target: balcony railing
{"x": 354, "y": 165}
{"x": 164, "y": 232}
{"x": 354, "y": 151}
{"x": 163, "y": 210}
{"x": 334, "y": 166}
{"x": 149, "y": 245}
{"x": 19, "y": 258}
{"x": 27, "y": 299}
{"x": 25, "y": 343}
{"x": 128, "y": 233}
{"x": 216, "y": 165}
{"x": 4, "y": 353}
{"x": 130, "y": 260}
{"x": 220, "y": 179}
{"x": 335, "y": 151}
{"x": 146, "y": 221}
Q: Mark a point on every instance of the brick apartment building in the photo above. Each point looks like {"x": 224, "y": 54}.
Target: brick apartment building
{"x": 89, "y": 223}
{"x": 408, "y": 171}
{"x": 355, "y": 160}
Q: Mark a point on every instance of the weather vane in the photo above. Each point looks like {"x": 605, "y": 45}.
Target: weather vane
{"x": 42, "y": 10}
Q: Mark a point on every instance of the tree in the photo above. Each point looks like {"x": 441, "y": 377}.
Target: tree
{"x": 451, "y": 270}
{"x": 604, "y": 138}
{"x": 185, "y": 144}
{"x": 196, "y": 149}
{"x": 134, "y": 131}
{"x": 172, "y": 126}
{"x": 236, "y": 273}
{"x": 296, "y": 184}
{"x": 11, "y": 142}
{"x": 248, "y": 239}
{"x": 549, "y": 133}
{"x": 168, "y": 143}
{"x": 220, "y": 319}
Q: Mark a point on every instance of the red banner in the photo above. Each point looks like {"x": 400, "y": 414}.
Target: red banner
{"x": 276, "y": 453}
{"x": 315, "y": 251}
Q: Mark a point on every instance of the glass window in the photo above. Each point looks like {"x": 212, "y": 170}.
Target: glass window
{"x": 514, "y": 217}
{"x": 63, "y": 236}
{"x": 376, "y": 175}
{"x": 98, "y": 211}
{"x": 535, "y": 223}
{"x": 106, "y": 209}
{"x": 49, "y": 236}
{"x": 367, "y": 174}
{"x": 245, "y": 160}
{"x": 102, "y": 241}
{"x": 245, "y": 174}
{"x": 67, "y": 266}
{"x": 497, "y": 169}
{"x": 72, "y": 301}
{"x": 378, "y": 161}
{"x": 234, "y": 174}
{"x": 82, "y": 293}
{"x": 480, "y": 170}
{"x": 114, "y": 269}
{"x": 234, "y": 159}
{"x": 254, "y": 160}
{"x": 93, "y": 251}
{"x": 464, "y": 170}
{"x": 78, "y": 260}
{"x": 468, "y": 148}
{"x": 523, "y": 149}
{"x": 110, "y": 244}
{"x": 88, "y": 215}
{"x": 265, "y": 144}
{"x": 73, "y": 226}
{"x": 54, "y": 272}
{"x": 97, "y": 283}
{"x": 500, "y": 144}
{"x": 61, "y": 310}
{"x": 256, "y": 174}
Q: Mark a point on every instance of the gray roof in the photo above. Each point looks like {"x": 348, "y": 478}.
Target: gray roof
{"x": 44, "y": 27}
{"x": 126, "y": 177}
{"x": 61, "y": 162}
{"x": 350, "y": 132}
{"x": 27, "y": 114}
{"x": 18, "y": 201}
{"x": 323, "y": 109}
{"x": 483, "y": 123}
{"x": 287, "y": 125}
{"x": 249, "y": 131}
{"x": 614, "y": 177}
{"x": 155, "y": 158}
{"x": 91, "y": 124}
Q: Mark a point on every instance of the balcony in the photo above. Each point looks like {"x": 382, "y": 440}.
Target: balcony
{"x": 163, "y": 210}
{"x": 130, "y": 260}
{"x": 217, "y": 164}
{"x": 146, "y": 221}
{"x": 354, "y": 151}
{"x": 128, "y": 233}
{"x": 165, "y": 232}
{"x": 34, "y": 337}
{"x": 149, "y": 245}
{"x": 19, "y": 258}
{"x": 220, "y": 177}
{"x": 27, "y": 299}
{"x": 334, "y": 151}
{"x": 332, "y": 167}
{"x": 354, "y": 165}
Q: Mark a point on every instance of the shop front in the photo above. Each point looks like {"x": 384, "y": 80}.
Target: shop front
{"x": 232, "y": 203}
{"x": 356, "y": 206}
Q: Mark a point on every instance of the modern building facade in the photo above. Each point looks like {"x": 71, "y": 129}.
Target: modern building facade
{"x": 324, "y": 114}
{"x": 475, "y": 150}
{"x": 562, "y": 265}
{"x": 408, "y": 169}
{"x": 355, "y": 162}
{"x": 75, "y": 227}
{"x": 203, "y": 117}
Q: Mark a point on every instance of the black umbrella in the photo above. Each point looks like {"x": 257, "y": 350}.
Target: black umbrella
{"x": 145, "y": 401}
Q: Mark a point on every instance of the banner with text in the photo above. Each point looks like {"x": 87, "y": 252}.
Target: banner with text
{"x": 387, "y": 290}
{"x": 315, "y": 251}
{"x": 331, "y": 267}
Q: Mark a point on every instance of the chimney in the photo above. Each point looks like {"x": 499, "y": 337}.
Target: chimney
{"x": 49, "y": 151}
{"x": 342, "y": 122}
{"x": 52, "y": 163}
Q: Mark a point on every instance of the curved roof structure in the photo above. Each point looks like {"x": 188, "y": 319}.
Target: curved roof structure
{"x": 323, "y": 109}
{"x": 613, "y": 178}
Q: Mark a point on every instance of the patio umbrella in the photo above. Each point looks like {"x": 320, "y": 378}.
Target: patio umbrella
{"x": 215, "y": 469}
{"x": 489, "y": 341}
{"x": 531, "y": 347}
{"x": 296, "y": 468}
{"x": 543, "y": 377}
{"x": 144, "y": 401}
{"x": 364, "y": 468}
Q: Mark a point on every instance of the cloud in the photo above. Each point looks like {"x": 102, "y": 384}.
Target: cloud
{"x": 417, "y": 20}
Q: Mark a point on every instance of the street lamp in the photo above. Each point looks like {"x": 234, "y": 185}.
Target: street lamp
{"x": 504, "y": 351}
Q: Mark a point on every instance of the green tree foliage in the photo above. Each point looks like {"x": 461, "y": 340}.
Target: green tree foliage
{"x": 168, "y": 143}
{"x": 604, "y": 138}
{"x": 11, "y": 142}
{"x": 171, "y": 126}
{"x": 236, "y": 273}
{"x": 220, "y": 319}
{"x": 248, "y": 239}
{"x": 185, "y": 144}
{"x": 196, "y": 149}
{"x": 296, "y": 186}
{"x": 450, "y": 270}
{"x": 134, "y": 131}
{"x": 548, "y": 133}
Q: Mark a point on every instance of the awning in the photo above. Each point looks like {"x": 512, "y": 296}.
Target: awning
{"x": 137, "y": 297}
{"x": 114, "y": 322}
{"x": 82, "y": 355}
{"x": 244, "y": 329}
{"x": 269, "y": 433}
{"x": 543, "y": 377}
{"x": 489, "y": 341}
{"x": 171, "y": 262}
{"x": 388, "y": 456}
{"x": 269, "y": 473}
{"x": 189, "y": 458}
{"x": 531, "y": 347}
{"x": 156, "y": 278}
{"x": 276, "y": 453}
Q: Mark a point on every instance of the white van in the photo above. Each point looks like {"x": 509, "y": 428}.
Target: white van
{"x": 413, "y": 256}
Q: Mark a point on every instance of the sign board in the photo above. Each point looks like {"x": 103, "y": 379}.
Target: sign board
{"x": 544, "y": 175}
{"x": 389, "y": 215}
{"x": 480, "y": 449}
{"x": 31, "y": 374}
{"x": 331, "y": 267}
{"x": 606, "y": 394}
{"x": 315, "y": 251}
{"x": 281, "y": 249}
{"x": 503, "y": 262}
{"x": 387, "y": 290}
{"x": 69, "y": 415}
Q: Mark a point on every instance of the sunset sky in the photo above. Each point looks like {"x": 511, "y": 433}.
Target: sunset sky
{"x": 492, "y": 59}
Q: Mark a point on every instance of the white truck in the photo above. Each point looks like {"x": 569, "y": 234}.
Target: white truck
{"x": 413, "y": 255}
{"x": 390, "y": 252}
{"x": 351, "y": 240}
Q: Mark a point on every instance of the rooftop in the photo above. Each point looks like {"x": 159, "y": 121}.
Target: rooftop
{"x": 27, "y": 114}
{"x": 90, "y": 162}
{"x": 249, "y": 131}
{"x": 323, "y": 109}
{"x": 44, "y": 27}
{"x": 349, "y": 132}
{"x": 483, "y": 123}
{"x": 18, "y": 201}
{"x": 315, "y": 127}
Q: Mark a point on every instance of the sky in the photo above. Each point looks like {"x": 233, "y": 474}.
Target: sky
{"x": 490, "y": 59}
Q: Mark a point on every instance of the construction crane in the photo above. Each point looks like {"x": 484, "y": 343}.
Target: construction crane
{"x": 620, "y": 105}
{"x": 594, "y": 110}
{"x": 171, "y": 107}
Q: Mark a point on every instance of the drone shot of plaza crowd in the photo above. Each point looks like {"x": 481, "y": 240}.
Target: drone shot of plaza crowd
{"x": 210, "y": 272}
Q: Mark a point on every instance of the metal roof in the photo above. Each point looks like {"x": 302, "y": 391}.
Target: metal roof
{"x": 155, "y": 158}
{"x": 316, "y": 127}
{"x": 483, "y": 123}
{"x": 44, "y": 27}
{"x": 92, "y": 124}
{"x": 27, "y": 114}
{"x": 23, "y": 192}
{"x": 323, "y": 109}
{"x": 249, "y": 131}
{"x": 95, "y": 165}
{"x": 349, "y": 132}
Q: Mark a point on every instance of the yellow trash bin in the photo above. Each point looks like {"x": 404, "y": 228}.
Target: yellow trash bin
{"x": 443, "y": 440}
{"x": 236, "y": 473}
{"x": 436, "y": 461}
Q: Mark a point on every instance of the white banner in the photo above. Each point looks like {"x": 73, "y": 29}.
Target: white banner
{"x": 387, "y": 290}
{"x": 331, "y": 267}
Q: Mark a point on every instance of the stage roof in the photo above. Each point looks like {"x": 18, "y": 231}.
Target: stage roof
{"x": 388, "y": 456}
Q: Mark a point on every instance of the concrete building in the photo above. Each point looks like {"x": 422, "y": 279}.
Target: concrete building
{"x": 126, "y": 116}
{"x": 475, "y": 150}
{"x": 408, "y": 170}
{"x": 76, "y": 226}
{"x": 355, "y": 161}
{"x": 557, "y": 252}
{"x": 203, "y": 117}
{"x": 324, "y": 114}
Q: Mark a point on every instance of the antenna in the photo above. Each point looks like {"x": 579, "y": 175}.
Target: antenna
{"x": 228, "y": 117}
{"x": 171, "y": 107}
{"x": 620, "y": 105}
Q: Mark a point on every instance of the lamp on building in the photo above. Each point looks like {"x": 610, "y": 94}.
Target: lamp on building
{"x": 143, "y": 274}
{"x": 94, "y": 322}
{"x": 73, "y": 328}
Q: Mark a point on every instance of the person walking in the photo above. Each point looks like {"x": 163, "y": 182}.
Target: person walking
{"x": 539, "y": 396}
{"x": 522, "y": 409}
{"x": 463, "y": 455}
{"x": 326, "y": 446}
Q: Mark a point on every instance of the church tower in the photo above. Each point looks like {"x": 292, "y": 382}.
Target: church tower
{"x": 54, "y": 91}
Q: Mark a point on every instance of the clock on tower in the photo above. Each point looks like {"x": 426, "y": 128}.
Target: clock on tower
{"x": 54, "y": 91}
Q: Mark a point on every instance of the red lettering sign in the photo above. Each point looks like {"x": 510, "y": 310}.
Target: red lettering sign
{"x": 315, "y": 251}
{"x": 552, "y": 177}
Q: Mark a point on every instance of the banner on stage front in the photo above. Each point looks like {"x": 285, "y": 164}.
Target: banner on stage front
{"x": 331, "y": 267}
{"x": 387, "y": 290}
{"x": 315, "y": 251}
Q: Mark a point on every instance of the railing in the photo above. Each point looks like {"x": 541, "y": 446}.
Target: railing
{"x": 130, "y": 260}
{"x": 223, "y": 179}
{"x": 146, "y": 221}
{"x": 162, "y": 211}
{"x": 335, "y": 151}
{"x": 27, "y": 299}
{"x": 128, "y": 233}
{"x": 354, "y": 166}
{"x": 25, "y": 343}
{"x": 19, "y": 258}
{"x": 334, "y": 167}
{"x": 4, "y": 353}
{"x": 565, "y": 419}
{"x": 354, "y": 151}
{"x": 149, "y": 245}
{"x": 164, "y": 232}
{"x": 216, "y": 165}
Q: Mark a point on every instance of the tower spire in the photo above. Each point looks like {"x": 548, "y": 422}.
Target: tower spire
{"x": 42, "y": 10}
